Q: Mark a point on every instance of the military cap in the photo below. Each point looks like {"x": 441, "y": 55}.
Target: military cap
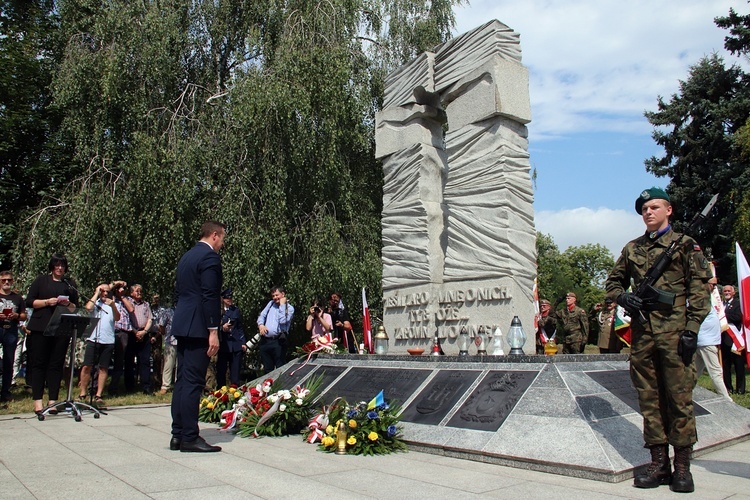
{"x": 227, "y": 294}
{"x": 544, "y": 301}
{"x": 655, "y": 193}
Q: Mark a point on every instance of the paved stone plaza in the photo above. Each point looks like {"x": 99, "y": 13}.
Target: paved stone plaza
{"x": 125, "y": 454}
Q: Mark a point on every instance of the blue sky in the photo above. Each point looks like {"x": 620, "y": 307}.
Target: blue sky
{"x": 595, "y": 66}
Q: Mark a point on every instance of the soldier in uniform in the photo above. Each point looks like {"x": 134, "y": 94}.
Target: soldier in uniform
{"x": 663, "y": 346}
{"x": 604, "y": 316}
{"x": 546, "y": 328}
{"x": 575, "y": 324}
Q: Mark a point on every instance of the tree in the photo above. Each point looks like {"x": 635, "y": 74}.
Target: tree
{"x": 698, "y": 129}
{"x": 32, "y": 162}
{"x": 580, "y": 269}
{"x": 256, "y": 113}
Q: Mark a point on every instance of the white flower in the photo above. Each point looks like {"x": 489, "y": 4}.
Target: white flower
{"x": 267, "y": 388}
{"x": 242, "y": 402}
{"x": 282, "y": 407}
{"x": 286, "y": 394}
{"x": 272, "y": 398}
{"x": 298, "y": 401}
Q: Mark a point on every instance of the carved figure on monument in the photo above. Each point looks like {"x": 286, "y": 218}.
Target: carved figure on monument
{"x": 458, "y": 225}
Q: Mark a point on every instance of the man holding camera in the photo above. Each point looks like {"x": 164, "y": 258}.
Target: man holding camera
{"x": 101, "y": 342}
{"x": 274, "y": 322}
{"x": 341, "y": 322}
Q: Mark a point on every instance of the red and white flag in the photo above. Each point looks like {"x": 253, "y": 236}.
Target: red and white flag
{"x": 743, "y": 280}
{"x": 367, "y": 330}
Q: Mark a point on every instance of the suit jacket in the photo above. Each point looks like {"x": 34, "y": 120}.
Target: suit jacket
{"x": 197, "y": 300}
{"x": 733, "y": 313}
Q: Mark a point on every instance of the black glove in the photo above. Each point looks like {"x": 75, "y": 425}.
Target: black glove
{"x": 687, "y": 346}
{"x": 559, "y": 300}
{"x": 631, "y": 302}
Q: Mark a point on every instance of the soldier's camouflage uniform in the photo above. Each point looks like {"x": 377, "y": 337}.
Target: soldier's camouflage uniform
{"x": 663, "y": 382}
{"x": 575, "y": 329}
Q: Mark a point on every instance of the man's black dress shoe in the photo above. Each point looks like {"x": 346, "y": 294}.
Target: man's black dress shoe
{"x": 198, "y": 446}
{"x": 174, "y": 443}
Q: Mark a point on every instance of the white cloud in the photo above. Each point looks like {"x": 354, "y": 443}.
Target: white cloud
{"x": 580, "y": 226}
{"x": 599, "y": 64}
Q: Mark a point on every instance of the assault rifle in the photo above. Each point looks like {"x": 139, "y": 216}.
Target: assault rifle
{"x": 653, "y": 298}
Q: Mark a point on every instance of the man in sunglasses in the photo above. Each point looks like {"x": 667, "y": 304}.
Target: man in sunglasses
{"x": 12, "y": 310}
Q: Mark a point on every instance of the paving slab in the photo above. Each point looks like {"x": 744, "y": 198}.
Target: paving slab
{"x": 126, "y": 455}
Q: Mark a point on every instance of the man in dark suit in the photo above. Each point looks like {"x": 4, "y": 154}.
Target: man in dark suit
{"x": 731, "y": 359}
{"x": 195, "y": 325}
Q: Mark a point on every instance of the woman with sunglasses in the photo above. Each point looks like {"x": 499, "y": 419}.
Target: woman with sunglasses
{"x": 47, "y": 292}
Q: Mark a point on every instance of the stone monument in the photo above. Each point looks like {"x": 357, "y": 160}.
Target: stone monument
{"x": 458, "y": 225}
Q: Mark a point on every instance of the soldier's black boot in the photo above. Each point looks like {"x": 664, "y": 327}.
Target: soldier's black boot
{"x": 658, "y": 471}
{"x": 682, "y": 480}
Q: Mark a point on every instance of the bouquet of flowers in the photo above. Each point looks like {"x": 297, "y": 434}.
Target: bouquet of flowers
{"x": 268, "y": 410}
{"x": 213, "y": 405}
{"x": 323, "y": 343}
{"x": 371, "y": 428}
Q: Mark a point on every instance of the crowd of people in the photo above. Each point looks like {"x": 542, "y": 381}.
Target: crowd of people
{"x": 132, "y": 343}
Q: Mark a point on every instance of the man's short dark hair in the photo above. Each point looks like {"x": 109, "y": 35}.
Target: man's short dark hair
{"x": 6, "y": 272}
{"x": 277, "y": 288}
{"x": 210, "y": 227}
{"x": 57, "y": 258}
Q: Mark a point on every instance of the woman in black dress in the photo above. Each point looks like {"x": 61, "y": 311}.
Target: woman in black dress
{"x": 47, "y": 292}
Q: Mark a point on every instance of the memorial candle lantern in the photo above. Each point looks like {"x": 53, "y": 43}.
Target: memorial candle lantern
{"x": 381, "y": 341}
{"x": 463, "y": 342}
{"x": 497, "y": 342}
{"x": 341, "y": 439}
{"x": 516, "y": 337}
{"x": 481, "y": 341}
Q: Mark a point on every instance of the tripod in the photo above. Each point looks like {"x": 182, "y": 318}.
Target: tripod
{"x": 67, "y": 323}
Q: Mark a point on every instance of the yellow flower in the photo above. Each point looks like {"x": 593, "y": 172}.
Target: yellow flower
{"x": 351, "y": 441}
{"x": 327, "y": 441}
{"x": 210, "y": 406}
{"x": 353, "y": 424}
{"x": 373, "y": 436}
{"x": 329, "y": 430}
{"x": 223, "y": 388}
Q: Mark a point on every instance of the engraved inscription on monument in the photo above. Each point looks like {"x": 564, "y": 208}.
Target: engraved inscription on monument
{"x": 441, "y": 394}
{"x": 493, "y": 400}
{"x": 618, "y": 383}
{"x": 363, "y": 384}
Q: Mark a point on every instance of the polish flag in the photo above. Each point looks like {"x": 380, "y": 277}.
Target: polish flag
{"x": 367, "y": 337}
{"x": 743, "y": 279}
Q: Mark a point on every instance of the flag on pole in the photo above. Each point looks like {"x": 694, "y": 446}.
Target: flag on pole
{"x": 743, "y": 280}
{"x": 367, "y": 330}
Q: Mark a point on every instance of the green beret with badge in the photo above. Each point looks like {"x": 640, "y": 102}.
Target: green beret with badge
{"x": 655, "y": 193}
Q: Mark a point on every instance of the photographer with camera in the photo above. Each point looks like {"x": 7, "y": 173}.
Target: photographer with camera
{"x": 318, "y": 322}
{"x": 101, "y": 342}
